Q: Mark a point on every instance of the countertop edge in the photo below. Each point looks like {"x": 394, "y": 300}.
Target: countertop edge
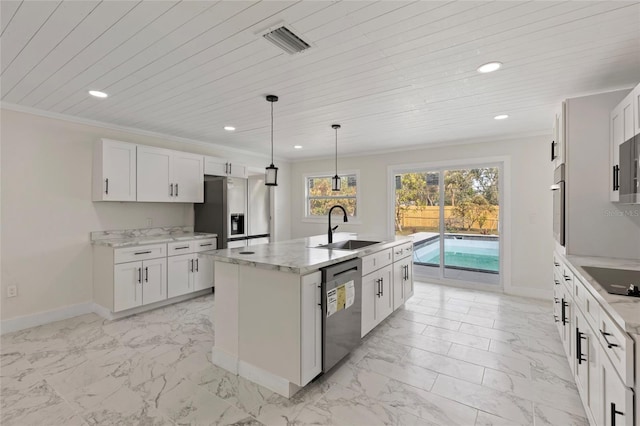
{"x": 133, "y": 242}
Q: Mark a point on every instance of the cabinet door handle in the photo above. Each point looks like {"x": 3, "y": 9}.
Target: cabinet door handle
{"x": 613, "y": 413}
{"x": 609, "y": 344}
{"x": 226, "y": 168}
{"x": 140, "y": 275}
{"x": 378, "y": 284}
{"x": 146, "y": 274}
{"x": 553, "y": 150}
{"x": 197, "y": 266}
{"x": 579, "y": 337}
{"x": 230, "y": 168}
{"x": 191, "y": 260}
{"x": 106, "y": 186}
{"x": 381, "y": 286}
{"x": 564, "y": 312}
{"x": 171, "y": 190}
{"x": 176, "y": 189}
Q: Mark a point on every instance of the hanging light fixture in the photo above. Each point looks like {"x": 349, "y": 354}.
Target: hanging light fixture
{"x": 335, "y": 181}
{"x": 271, "y": 172}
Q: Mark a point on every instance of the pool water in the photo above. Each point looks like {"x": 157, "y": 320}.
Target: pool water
{"x": 477, "y": 254}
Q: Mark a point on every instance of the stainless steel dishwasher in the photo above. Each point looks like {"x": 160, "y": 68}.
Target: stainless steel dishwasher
{"x": 341, "y": 310}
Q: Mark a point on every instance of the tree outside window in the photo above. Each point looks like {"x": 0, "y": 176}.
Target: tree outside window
{"x": 320, "y": 197}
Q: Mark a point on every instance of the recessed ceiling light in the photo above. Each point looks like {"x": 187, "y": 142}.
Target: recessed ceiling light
{"x": 97, "y": 94}
{"x": 489, "y": 67}
{"x": 297, "y": 146}
{"x": 229, "y": 128}
{"x": 501, "y": 117}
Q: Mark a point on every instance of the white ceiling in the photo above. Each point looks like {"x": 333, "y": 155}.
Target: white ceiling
{"x": 393, "y": 73}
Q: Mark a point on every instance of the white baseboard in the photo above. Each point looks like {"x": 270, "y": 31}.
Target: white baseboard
{"x": 34, "y": 320}
{"x": 41, "y": 318}
{"x": 534, "y": 293}
{"x": 270, "y": 381}
{"x": 224, "y": 360}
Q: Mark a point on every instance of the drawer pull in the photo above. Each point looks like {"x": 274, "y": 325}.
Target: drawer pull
{"x": 613, "y": 413}
{"x": 555, "y": 318}
{"x": 556, "y": 282}
{"x": 609, "y": 344}
{"x": 142, "y": 252}
{"x": 567, "y": 277}
{"x": 204, "y": 245}
{"x": 579, "y": 337}
{"x": 556, "y": 300}
{"x": 556, "y": 264}
{"x": 181, "y": 248}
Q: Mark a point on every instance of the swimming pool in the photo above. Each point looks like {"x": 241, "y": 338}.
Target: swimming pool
{"x": 477, "y": 253}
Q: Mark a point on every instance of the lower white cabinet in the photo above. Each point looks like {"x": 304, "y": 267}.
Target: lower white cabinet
{"x": 377, "y": 298}
{"x": 600, "y": 353}
{"x": 139, "y": 283}
{"x": 188, "y": 273}
{"x": 402, "y": 281}
{"x": 311, "y": 326}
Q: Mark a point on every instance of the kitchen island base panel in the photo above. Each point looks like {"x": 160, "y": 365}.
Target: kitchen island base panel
{"x": 255, "y": 374}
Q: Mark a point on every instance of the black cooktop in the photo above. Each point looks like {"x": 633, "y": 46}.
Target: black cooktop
{"x": 624, "y": 282}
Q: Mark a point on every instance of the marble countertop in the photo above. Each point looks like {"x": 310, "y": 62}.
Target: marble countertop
{"x": 625, "y": 310}
{"x": 301, "y": 256}
{"x": 152, "y": 239}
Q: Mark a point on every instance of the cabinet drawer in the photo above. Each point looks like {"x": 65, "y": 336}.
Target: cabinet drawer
{"x": 557, "y": 264}
{"x": 618, "y": 346}
{"x": 204, "y": 245}
{"x": 376, "y": 261}
{"x": 567, "y": 278}
{"x": 180, "y": 247}
{"x": 586, "y": 303}
{"x": 402, "y": 251}
{"x": 133, "y": 254}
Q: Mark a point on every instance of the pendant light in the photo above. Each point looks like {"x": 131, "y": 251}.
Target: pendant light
{"x": 335, "y": 181}
{"x": 271, "y": 172}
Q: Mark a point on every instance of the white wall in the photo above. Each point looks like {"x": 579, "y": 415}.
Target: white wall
{"x": 47, "y": 212}
{"x": 596, "y": 226}
{"x": 531, "y": 202}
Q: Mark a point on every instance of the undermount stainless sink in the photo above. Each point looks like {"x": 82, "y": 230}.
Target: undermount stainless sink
{"x": 348, "y": 244}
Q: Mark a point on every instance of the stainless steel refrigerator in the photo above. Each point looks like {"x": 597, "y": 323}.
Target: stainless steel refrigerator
{"x": 236, "y": 209}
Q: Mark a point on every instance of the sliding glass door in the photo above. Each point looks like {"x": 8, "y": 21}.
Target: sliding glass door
{"x": 453, "y": 216}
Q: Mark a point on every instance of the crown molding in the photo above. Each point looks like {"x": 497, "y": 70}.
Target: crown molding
{"x": 133, "y": 130}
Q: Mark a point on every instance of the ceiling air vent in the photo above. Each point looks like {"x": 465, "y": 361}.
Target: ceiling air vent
{"x": 286, "y": 40}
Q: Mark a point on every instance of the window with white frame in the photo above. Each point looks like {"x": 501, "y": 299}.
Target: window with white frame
{"x": 319, "y": 197}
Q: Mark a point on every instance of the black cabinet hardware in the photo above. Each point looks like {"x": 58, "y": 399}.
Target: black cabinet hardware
{"x": 197, "y": 267}
{"x": 191, "y": 264}
{"x": 564, "y": 312}
{"x": 171, "y": 190}
{"x": 106, "y": 184}
{"x": 616, "y": 177}
{"x": 205, "y": 245}
{"x": 556, "y": 300}
{"x": 176, "y": 189}
{"x": 553, "y": 150}
{"x": 609, "y": 344}
{"x": 140, "y": 275}
{"x": 555, "y": 318}
{"x": 567, "y": 277}
{"x": 181, "y": 248}
{"x": 381, "y": 286}
{"x": 613, "y": 413}
{"x": 557, "y": 282}
{"x": 146, "y": 274}
{"x": 142, "y": 252}
{"x": 556, "y": 264}
{"x": 579, "y": 337}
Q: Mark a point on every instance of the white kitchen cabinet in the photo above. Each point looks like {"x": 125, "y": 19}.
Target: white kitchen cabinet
{"x": 222, "y": 167}
{"x": 180, "y": 272}
{"x": 377, "y": 297}
{"x": 165, "y": 175}
{"x": 154, "y": 174}
{"x": 311, "y": 326}
{"x": 203, "y": 272}
{"x": 636, "y": 109}
{"x": 127, "y": 286}
{"x": 139, "y": 283}
{"x": 187, "y": 174}
{"x": 402, "y": 281}
{"x": 558, "y": 144}
{"x": 586, "y": 373}
{"x": 114, "y": 171}
{"x": 617, "y": 399}
{"x": 622, "y": 126}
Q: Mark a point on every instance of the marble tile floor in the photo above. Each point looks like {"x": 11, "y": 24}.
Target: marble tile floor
{"x": 450, "y": 357}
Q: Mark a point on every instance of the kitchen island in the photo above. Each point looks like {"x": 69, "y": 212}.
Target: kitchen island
{"x": 268, "y": 314}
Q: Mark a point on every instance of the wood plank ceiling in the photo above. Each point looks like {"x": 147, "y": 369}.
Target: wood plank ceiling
{"x": 395, "y": 74}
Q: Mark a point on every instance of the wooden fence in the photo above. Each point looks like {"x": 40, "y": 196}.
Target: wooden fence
{"x": 427, "y": 218}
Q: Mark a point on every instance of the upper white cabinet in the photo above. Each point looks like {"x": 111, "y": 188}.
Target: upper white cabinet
{"x": 169, "y": 176}
{"x": 558, "y": 144}
{"x": 221, "y": 167}
{"x": 623, "y": 124}
{"x": 114, "y": 171}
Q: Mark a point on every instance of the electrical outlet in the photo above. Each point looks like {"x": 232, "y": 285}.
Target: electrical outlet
{"x": 12, "y": 291}
{"x": 149, "y": 222}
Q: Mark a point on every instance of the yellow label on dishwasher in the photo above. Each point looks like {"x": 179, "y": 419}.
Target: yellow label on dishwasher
{"x": 340, "y": 298}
